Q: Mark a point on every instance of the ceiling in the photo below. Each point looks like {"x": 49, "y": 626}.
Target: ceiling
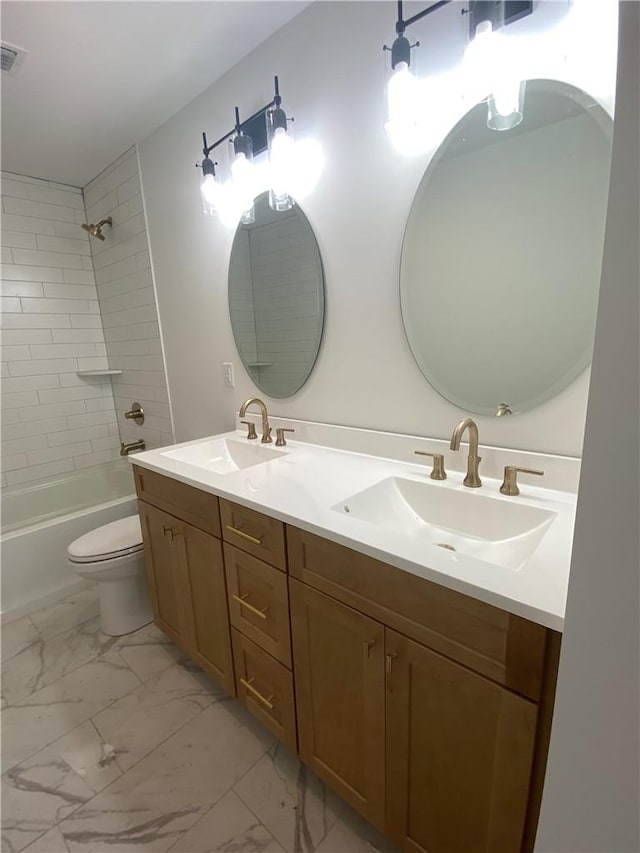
{"x": 101, "y": 76}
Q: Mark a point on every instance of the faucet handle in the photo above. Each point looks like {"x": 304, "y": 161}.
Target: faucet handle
{"x": 280, "y": 439}
{"x": 437, "y": 471}
{"x": 510, "y": 483}
{"x": 252, "y": 429}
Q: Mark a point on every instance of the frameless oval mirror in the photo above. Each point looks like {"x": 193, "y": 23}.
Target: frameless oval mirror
{"x": 501, "y": 259}
{"x": 276, "y": 298}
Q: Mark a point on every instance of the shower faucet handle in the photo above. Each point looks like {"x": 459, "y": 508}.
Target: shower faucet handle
{"x": 136, "y": 413}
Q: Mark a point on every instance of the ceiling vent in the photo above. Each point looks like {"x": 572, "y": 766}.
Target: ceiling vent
{"x": 11, "y": 57}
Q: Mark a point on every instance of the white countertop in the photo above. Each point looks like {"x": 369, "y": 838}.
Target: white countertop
{"x": 302, "y": 485}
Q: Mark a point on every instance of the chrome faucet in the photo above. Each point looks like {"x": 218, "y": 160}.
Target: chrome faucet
{"x": 472, "y": 480}
{"x": 126, "y": 449}
{"x": 266, "y": 429}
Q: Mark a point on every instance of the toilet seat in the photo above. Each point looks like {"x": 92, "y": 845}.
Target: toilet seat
{"x": 110, "y": 542}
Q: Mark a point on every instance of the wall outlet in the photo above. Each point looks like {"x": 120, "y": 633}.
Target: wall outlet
{"x": 227, "y": 372}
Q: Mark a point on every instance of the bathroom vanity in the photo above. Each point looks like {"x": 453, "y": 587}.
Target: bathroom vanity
{"x": 426, "y": 707}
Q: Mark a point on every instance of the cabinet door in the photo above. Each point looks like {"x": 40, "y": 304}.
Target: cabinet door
{"x": 210, "y": 640}
{"x": 168, "y": 583}
{"x": 459, "y": 755}
{"x": 339, "y": 675}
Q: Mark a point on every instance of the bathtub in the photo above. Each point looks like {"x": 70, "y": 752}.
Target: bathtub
{"x": 40, "y": 519}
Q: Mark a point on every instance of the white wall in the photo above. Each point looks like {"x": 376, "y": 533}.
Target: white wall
{"x": 592, "y": 790}
{"x": 53, "y": 420}
{"x": 127, "y": 301}
{"x": 331, "y": 71}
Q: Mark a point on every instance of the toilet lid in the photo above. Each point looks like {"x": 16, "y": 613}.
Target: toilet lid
{"x": 111, "y": 540}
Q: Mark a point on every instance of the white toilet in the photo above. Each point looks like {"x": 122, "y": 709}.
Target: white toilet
{"x": 113, "y": 556}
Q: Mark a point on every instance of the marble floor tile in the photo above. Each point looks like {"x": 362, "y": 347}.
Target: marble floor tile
{"x": 47, "y": 660}
{"x": 37, "y": 794}
{"x": 353, "y": 834}
{"x": 63, "y": 615}
{"x": 51, "y": 712}
{"x": 50, "y": 842}
{"x": 229, "y": 827}
{"x": 148, "y": 651}
{"x": 16, "y": 636}
{"x": 144, "y": 718}
{"x": 289, "y": 800}
{"x": 150, "y": 806}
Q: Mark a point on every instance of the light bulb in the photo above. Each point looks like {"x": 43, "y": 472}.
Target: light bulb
{"x": 242, "y": 178}
{"x": 281, "y": 161}
{"x": 401, "y": 99}
{"x": 491, "y": 73}
{"x": 211, "y": 193}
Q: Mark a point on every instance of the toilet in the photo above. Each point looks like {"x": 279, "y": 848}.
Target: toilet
{"x": 113, "y": 555}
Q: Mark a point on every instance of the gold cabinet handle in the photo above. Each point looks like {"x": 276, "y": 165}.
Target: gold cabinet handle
{"x": 248, "y": 683}
{"x": 241, "y": 599}
{"x": 390, "y": 660}
{"x": 247, "y": 536}
{"x": 169, "y": 531}
{"x": 368, "y": 646}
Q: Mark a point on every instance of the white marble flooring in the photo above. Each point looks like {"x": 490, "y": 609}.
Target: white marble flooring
{"x": 123, "y": 744}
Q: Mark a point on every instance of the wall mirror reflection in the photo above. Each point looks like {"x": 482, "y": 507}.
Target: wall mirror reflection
{"x": 276, "y": 298}
{"x": 502, "y": 253}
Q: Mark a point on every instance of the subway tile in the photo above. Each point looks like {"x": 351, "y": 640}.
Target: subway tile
{"x": 69, "y": 436}
{"x": 109, "y": 443}
{"x": 143, "y": 260}
{"x": 14, "y": 462}
{"x": 149, "y": 378}
{"x": 15, "y": 353}
{"x": 126, "y": 284}
{"x": 71, "y": 230}
{"x": 61, "y": 306}
{"x": 10, "y": 305}
{"x": 92, "y": 459}
{"x": 28, "y": 224}
{"x": 38, "y": 472}
{"x": 70, "y": 291}
{"x": 116, "y": 270}
{"x": 52, "y": 410}
{"x": 33, "y": 368}
{"x": 140, "y": 362}
{"x": 143, "y": 314}
{"x": 18, "y": 239}
{"x": 24, "y": 272}
{"x": 25, "y": 179}
{"x": 43, "y": 427}
{"x": 17, "y": 189}
{"x": 128, "y": 189}
{"x": 79, "y": 277}
{"x": 21, "y": 445}
{"x": 92, "y": 419}
{"x": 86, "y": 321}
{"x": 9, "y": 417}
{"x": 74, "y": 246}
{"x": 86, "y": 263}
{"x": 143, "y": 331}
{"x": 53, "y": 195}
{"x": 14, "y": 384}
{"x": 34, "y": 257}
{"x": 88, "y": 392}
{"x": 53, "y": 454}
{"x": 126, "y": 301}
{"x": 21, "y": 398}
{"x": 27, "y": 207}
{"x": 134, "y": 347}
{"x": 97, "y": 363}
{"x": 35, "y": 321}
{"x": 124, "y": 248}
{"x": 100, "y": 404}
{"x": 75, "y": 336}
{"x": 21, "y": 288}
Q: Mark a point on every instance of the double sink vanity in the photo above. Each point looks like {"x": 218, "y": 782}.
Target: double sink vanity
{"x": 398, "y": 631}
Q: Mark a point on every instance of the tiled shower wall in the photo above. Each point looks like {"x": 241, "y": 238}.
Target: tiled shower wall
{"x": 53, "y": 421}
{"x": 127, "y": 301}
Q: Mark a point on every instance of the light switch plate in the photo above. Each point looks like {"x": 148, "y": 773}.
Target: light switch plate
{"x": 227, "y": 372}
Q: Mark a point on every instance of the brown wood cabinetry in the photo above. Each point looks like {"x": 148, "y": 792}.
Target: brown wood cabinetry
{"x": 427, "y": 710}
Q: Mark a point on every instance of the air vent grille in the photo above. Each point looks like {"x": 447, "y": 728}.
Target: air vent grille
{"x": 11, "y": 58}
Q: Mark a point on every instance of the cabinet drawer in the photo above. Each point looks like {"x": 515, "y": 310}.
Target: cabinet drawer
{"x": 506, "y": 648}
{"x": 186, "y": 502}
{"x": 259, "y": 602}
{"x": 266, "y": 688}
{"x": 253, "y": 532}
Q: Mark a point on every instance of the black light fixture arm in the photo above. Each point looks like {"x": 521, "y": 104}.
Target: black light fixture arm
{"x": 402, "y": 24}
{"x": 239, "y": 126}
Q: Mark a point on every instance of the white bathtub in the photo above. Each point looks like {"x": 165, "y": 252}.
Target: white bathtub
{"x": 40, "y": 519}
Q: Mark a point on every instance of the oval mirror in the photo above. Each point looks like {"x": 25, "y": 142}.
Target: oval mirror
{"x": 276, "y": 298}
{"x": 501, "y": 259}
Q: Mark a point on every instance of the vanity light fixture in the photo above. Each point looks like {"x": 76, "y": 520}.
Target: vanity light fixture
{"x": 267, "y": 129}
{"x": 486, "y": 60}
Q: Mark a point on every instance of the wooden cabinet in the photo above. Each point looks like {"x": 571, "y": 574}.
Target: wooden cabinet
{"x": 339, "y": 668}
{"x": 188, "y": 590}
{"x": 459, "y": 755}
{"x": 255, "y": 533}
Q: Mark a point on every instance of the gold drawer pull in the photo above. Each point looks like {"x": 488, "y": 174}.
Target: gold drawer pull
{"x": 244, "y": 535}
{"x": 390, "y": 660}
{"x": 248, "y": 683}
{"x": 242, "y": 599}
{"x": 169, "y": 531}
{"x": 368, "y": 647}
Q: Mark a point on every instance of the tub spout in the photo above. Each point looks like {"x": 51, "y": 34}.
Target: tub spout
{"x": 126, "y": 449}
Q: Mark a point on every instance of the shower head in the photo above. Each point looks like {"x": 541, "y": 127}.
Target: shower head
{"x": 96, "y": 230}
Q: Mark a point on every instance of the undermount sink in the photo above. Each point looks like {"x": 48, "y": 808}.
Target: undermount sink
{"x": 488, "y": 528}
{"x": 224, "y": 455}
